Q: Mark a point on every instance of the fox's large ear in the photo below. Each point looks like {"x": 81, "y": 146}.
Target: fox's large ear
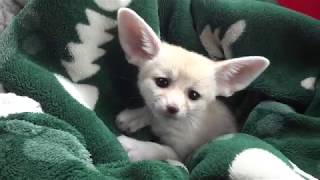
{"x": 138, "y": 40}
{"x": 236, "y": 74}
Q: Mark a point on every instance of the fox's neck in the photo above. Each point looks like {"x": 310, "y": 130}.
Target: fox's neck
{"x": 186, "y": 135}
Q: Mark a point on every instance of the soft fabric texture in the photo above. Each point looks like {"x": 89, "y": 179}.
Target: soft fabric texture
{"x": 65, "y": 55}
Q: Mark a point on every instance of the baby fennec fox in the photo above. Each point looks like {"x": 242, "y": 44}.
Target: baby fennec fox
{"x": 179, "y": 88}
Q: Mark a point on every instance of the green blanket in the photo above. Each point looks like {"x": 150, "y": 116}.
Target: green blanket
{"x": 65, "y": 55}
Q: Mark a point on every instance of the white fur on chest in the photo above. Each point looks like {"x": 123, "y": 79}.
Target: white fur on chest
{"x": 185, "y": 135}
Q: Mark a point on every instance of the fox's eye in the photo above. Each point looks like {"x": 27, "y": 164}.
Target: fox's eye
{"x": 193, "y": 95}
{"x": 162, "y": 82}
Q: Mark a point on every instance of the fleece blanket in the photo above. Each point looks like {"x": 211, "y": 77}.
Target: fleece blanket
{"x": 64, "y": 78}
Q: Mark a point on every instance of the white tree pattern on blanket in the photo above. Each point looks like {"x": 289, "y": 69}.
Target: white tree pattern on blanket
{"x": 112, "y": 5}
{"x": 217, "y": 48}
{"x": 86, "y": 53}
{"x": 255, "y": 163}
{"x": 92, "y": 36}
{"x": 309, "y": 83}
{"x": 11, "y": 103}
{"x": 85, "y": 94}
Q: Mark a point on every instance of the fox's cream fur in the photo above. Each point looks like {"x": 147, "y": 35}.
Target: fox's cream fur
{"x": 179, "y": 88}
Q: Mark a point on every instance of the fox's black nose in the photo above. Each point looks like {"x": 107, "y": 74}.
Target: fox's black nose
{"x": 172, "y": 109}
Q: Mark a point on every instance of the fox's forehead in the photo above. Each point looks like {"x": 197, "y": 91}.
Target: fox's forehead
{"x": 178, "y": 62}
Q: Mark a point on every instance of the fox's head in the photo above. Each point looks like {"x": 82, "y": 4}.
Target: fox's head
{"x": 174, "y": 82}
